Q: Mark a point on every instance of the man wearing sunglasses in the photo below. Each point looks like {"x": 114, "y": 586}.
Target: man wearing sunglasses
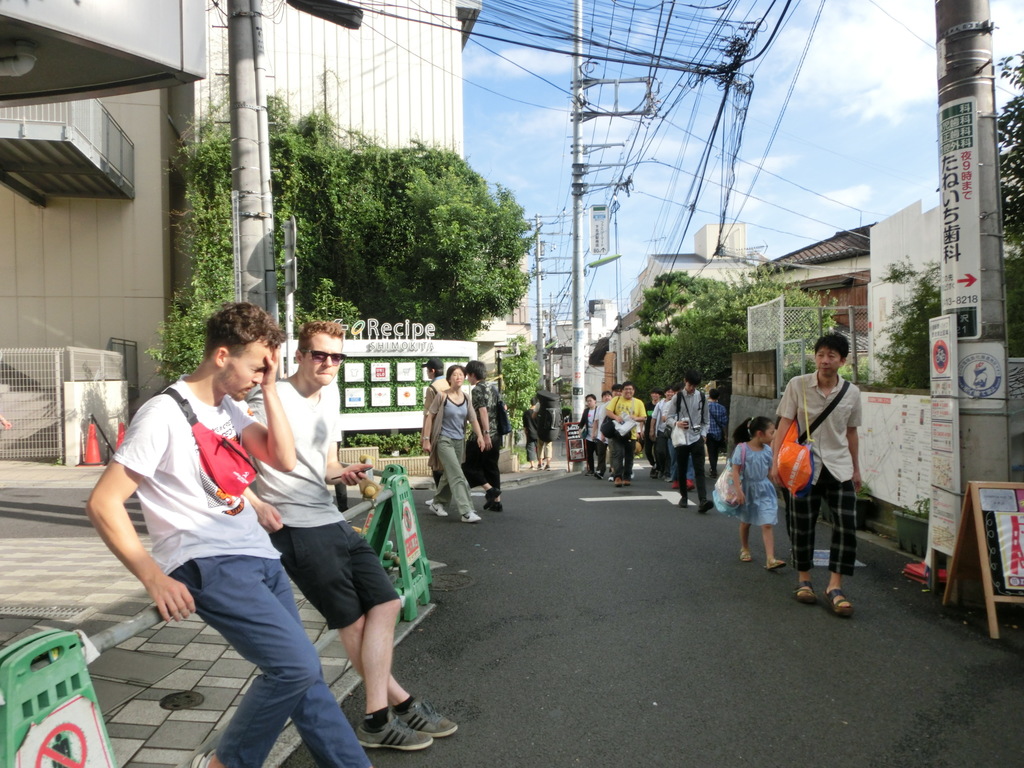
{"x": 209, "y": 554}
{"x": 333, "y": 566}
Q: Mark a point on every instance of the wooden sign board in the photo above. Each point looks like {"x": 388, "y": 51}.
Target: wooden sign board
{"x": 989, "y": 546}
{"x": 575, "y": 450}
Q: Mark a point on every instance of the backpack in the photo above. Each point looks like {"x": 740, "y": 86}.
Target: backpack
{"x": 501, "y": 420}
{"x": 546, "y": 420}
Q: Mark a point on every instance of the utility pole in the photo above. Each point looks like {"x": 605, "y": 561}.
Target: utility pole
{"x": 540, "y": 321}
{"x": 578, "y": 351}
{"x": 255, "y": 278}
{"x": 972, "y": 239}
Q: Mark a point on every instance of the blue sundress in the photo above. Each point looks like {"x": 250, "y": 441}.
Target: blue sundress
{"x": 762, "y": 504}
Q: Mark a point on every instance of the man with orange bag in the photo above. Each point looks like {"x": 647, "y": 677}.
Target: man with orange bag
{"x": 834, "y": 446}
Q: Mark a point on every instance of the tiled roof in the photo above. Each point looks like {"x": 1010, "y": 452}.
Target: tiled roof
{"x": 842, "y": 245}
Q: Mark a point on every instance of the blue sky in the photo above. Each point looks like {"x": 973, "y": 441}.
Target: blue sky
{"x": 855, "y": 144}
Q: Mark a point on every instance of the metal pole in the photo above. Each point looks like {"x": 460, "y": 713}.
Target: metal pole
{"x": 266, "y": 190}
{"x": 540, "y": 320}
{"x": 971, "y": 239}
{"x": 578, "y": 348}
{"x": 245, "y": 153}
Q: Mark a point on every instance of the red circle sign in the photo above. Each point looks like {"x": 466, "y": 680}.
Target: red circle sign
{"x": 940, "y": 356}
{"x": 77, "y": 747}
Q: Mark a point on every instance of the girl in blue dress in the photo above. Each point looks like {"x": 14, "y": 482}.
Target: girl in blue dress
{"x": 758, "y": 504}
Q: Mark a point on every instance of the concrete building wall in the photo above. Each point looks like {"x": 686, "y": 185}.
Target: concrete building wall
{"x": 909, "y": 235}
{"x": 397, "y": 79}
{"x": 81, "y": 271}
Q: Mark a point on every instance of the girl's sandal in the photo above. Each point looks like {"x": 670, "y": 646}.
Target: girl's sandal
{"x": 745, "y": 556}
{"x": 805, "y": 593}
{"x": 774, "y": 564}
{"x": 840, "y": 605}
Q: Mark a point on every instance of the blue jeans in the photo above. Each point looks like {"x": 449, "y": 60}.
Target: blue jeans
{"x": 249, "y": 601}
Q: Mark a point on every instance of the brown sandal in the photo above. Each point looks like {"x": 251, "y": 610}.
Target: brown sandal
{"x": 840, "y": 605}
{"x": 805, "y": 593}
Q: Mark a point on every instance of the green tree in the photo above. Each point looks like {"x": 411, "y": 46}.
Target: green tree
{"x": 710, "y": 329}
{"x": 905, "y": 358}
{"x": 1011, "y": 146}
{"x": 665, "y": 301}
{"x": 387, "y": 233}
{"x": 1011, "y": 172}
{"x": 520, "y": 374}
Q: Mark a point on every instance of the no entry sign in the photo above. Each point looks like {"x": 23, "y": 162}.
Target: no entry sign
{"x": 71, "y": 736}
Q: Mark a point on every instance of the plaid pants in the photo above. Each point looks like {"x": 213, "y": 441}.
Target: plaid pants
{"x": 802, "y": 516}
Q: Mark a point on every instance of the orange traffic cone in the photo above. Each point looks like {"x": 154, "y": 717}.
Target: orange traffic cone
{"x": 92, "y": 449}
{"x": 120, "y": 434}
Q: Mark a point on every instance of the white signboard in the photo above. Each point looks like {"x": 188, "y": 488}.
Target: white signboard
{"x": 982, "y": 377}
{"x": 944, "y": 406}
{"x": 598, "y": 230}
{"x": 961, "y": 214}
{"x": 70, "y": 737}
{"x": 895, "y": 449}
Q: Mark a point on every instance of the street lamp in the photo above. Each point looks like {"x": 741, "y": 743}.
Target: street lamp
{"x": 605, "y": 260}
{"x": 342, "y": 14}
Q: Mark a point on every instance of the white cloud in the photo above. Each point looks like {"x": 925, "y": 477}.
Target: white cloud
{"x": 517, "y": 63}
{"x": 856, "y": 196}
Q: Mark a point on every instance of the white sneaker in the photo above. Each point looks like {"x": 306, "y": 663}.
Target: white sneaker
{"x": 471, "y": 517}
{"x": 437, "y": 508}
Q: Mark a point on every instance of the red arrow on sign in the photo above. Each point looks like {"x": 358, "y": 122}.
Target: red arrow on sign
{"x": 968, "y": 279}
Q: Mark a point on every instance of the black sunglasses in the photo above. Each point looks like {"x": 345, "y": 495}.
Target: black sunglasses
{"x": 336, "y": 358}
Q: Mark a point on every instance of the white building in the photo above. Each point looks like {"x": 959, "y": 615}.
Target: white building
{"x": 710, "y": 258}
{"x": 88, "y": 195}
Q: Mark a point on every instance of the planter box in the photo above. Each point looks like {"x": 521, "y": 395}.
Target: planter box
{"x": 912, "y": 533}
{"x": 414, "y": 465}
{"x": 508, "y": 462}
{"x": 351, "y": 455}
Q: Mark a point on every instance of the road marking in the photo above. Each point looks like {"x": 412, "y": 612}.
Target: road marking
{"x": 670, "y": 496}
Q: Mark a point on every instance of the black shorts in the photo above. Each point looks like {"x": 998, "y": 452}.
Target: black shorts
{"x": 336, "y": 569}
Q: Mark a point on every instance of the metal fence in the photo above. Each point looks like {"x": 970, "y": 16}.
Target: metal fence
{"x": 792, "y": 331}
{"x": 31, "y": 394}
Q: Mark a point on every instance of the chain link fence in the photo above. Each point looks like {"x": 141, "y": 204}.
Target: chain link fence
{"x": 31, "y": 392}
{"x": 792, "y": 332}
{"x": 34, "y": 401}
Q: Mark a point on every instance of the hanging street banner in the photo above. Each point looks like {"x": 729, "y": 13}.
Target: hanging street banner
{"x": 599, "y": 230}
{"x": 961, "y": 212}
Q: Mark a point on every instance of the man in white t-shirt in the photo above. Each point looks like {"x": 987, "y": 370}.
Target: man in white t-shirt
{"x": 334, "y": 567}
{"x": 209, "y": 553}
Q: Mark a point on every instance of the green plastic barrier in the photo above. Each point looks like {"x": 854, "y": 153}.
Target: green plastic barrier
{"x": 393, "y": 530}
{"x": 45, "y": 688}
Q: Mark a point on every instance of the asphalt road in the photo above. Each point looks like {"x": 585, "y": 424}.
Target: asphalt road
{"x": 28, "y": 513}
{"x": 595, "y": 633}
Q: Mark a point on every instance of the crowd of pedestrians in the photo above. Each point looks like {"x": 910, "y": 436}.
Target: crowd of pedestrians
{"x": 224, "y": 548}
{"x": 686, "y": 429}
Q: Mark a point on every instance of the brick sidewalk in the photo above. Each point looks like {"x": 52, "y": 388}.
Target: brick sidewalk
{"x": 76, "y": 583}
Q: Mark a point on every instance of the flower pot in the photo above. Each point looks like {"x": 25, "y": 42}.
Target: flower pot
{"x": 912, "y": 533}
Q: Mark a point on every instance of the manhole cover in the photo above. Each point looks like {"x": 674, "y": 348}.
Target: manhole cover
{"x": 65, "y": 612}
{"x": 181, "y": 700}
{"x": 449, "y": 582}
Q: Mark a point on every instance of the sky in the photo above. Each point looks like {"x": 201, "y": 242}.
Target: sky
{"x": 854, "y": 141}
